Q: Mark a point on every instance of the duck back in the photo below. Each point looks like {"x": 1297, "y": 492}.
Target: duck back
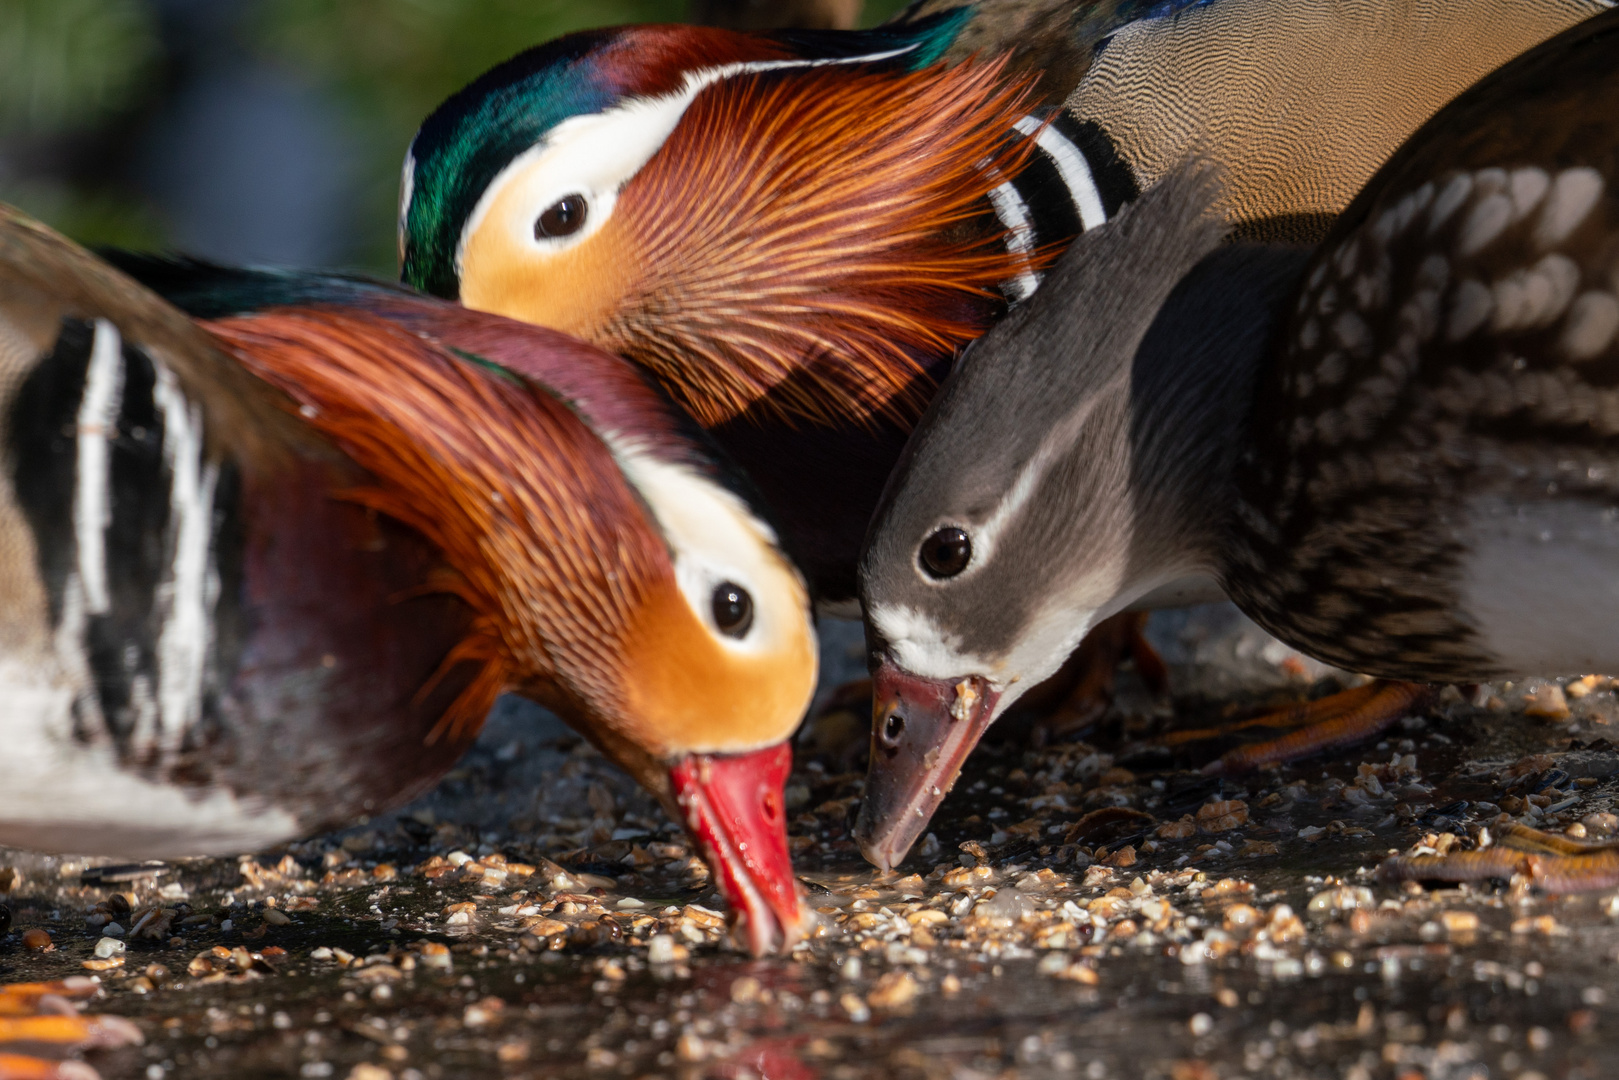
{"x": 1433, "y": 492}
{"x": 203, "y": 647}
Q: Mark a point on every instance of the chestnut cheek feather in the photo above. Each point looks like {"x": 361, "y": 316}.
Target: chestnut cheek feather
{"x": 733, "y": 808}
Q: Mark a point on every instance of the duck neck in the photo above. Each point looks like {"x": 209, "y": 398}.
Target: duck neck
{"x": 1192, "y": 389}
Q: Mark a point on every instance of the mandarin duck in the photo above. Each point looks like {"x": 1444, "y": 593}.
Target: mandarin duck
{"x": 791, "y": 231}
{"x": 269, "y": 571}
{"x": 824, "y": 267}
{"x": 1398, "y": 453}
{"x": 829, "y": 259}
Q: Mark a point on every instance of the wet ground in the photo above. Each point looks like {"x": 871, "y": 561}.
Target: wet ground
{"x": 1092, "y": 909}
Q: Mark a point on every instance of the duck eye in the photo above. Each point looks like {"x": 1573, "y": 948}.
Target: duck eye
{"x": 564, "y": 217}
{"x": 946, "y": 553}
{"x": 733, "y": 609}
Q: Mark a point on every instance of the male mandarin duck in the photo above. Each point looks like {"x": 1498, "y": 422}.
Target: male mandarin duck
{"x": 797, "y": 232}
{"x": 1300, "y": 103}
{"x": 269, "y": 571}
{"x": 1399, "y": 454}
{"x": 791, "y": 231}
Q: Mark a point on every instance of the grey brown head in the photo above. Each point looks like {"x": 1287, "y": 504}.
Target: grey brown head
{"x": 1031, "y": 504}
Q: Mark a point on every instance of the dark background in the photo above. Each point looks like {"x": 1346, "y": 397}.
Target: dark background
{"x": 269, "y": 131}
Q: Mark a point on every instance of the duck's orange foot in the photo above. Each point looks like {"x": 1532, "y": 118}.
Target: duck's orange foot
{"x": 1338, "y": 720}
{"x": 1551, "y": 863}
{"x": 1092, "y": 671}
{"x": 39, "y": 1019}
{"x": 21, "y": 1067}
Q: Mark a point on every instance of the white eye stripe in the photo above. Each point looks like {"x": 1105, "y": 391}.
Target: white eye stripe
{"x": 407, "y": 192}
{"x": 714, "y": 538}
{"x": 596, "y": 154}
{"x": 985, "y": 535}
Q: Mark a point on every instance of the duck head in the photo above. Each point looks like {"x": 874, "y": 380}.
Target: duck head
{"x": 1041, "y": 494}
{"x": 778, "y": 222}
{"x": 617, "y": 573}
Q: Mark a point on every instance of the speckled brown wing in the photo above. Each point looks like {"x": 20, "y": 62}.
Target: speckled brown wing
{"x": 1456, "y": 340}
{"x": 201, "y": 648}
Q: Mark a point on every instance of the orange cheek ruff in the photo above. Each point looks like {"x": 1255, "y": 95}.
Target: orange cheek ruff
{"x": 550, "y": 544}
{"x": 695, "y": 695}
{"x": 812, "y": 240}
{"x": 809, "y": 241}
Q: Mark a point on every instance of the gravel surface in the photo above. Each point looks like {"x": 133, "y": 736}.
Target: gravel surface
{"x": 1090, "y": 909}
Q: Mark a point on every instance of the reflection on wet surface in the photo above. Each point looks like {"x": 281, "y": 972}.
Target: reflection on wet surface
{"x": 1086, "y": 910}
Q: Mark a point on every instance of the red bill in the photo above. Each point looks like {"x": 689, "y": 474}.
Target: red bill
{"x": 734, "y": 809}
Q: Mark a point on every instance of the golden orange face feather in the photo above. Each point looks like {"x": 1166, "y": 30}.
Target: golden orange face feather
{"x": 802, "y": 241}
{"x": 585, "y": 600}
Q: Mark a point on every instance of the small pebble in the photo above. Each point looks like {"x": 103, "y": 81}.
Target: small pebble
{"x": 1547, "y": 702}
{"x": 662, "y": 949}
{"x": 893, "y": 991}
{"x": 855, "y": 1007}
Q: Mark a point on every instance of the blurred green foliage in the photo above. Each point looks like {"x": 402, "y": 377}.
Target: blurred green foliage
{"x": 65, "y": 64}
{"x": 400, "y": 58}
{"x": 66, "y": 68}
{"x": 90, "y": 215}
{"x": 392, "y": 61}
{"x": 876, "y": 11}
{"x": 70, "y": 69}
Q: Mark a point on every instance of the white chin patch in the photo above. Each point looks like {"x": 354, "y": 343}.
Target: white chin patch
{"x": 917, "y": 644}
